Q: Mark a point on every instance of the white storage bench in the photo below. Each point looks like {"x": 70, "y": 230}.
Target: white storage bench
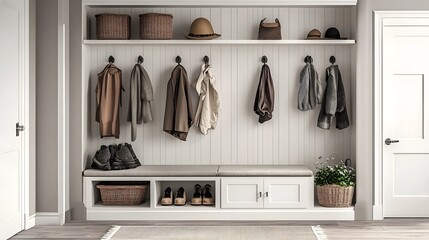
{"x": 240, "y": 192}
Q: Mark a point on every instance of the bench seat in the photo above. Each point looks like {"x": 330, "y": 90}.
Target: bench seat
{"x": 157, "y": 171}
{"x": 264, "y": 171}
{"x": 206, "y": 170}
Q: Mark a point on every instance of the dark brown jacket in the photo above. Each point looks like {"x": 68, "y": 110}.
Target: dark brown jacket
{"x": 179, "y": 115}
{"x": 109, "y": 94}
{"x": 264, "y": 100}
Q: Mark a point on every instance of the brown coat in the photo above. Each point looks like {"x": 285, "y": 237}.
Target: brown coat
{"x": 264, "y": 100}
{"x": 179, "y": 114}
{"x": 109, "y": 94}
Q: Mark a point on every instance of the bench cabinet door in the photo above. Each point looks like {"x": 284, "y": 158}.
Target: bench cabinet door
{"x": 242, "y": 193}
{"x": 286, "y": 192}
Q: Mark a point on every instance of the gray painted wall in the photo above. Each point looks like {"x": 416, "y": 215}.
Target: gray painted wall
{"x": 76, "y": 205}
{"x": 47, "y": 106}
{"x": 32, "y": 124}
{"x": 364, "y": 91}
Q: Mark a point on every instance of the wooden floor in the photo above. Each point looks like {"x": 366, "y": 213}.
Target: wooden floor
{"x": 387, "y": 229}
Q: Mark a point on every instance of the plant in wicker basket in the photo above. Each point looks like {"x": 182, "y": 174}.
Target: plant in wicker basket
{"x": 334, "y": 184}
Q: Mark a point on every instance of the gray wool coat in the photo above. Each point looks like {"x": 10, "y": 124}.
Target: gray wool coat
{"x": 334, "y": 101}
{"x": 310, "y": 92}
{"x": 141, "y": 96}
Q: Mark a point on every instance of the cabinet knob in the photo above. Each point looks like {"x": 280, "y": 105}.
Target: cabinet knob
{"x": 266, "y": 194}
{"x": 260, "y": 194}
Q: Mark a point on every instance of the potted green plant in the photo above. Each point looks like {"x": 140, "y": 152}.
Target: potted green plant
{"x": 334, "y": 184}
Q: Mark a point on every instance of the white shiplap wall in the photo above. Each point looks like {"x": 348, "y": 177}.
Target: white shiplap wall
{"x": 291, "y": 137}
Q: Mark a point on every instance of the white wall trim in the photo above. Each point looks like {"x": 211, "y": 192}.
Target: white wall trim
{"x": 377, "y": 212}
{"x": 49, "y": 218}
{"x": 62, "y": 108}
{"x": 378, "y": 118}
{"x": 30, "y": 222}
{"x": 382, "y": 19}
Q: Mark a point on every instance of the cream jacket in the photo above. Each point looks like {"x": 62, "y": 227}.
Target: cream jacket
{"x": 209, "y": 103}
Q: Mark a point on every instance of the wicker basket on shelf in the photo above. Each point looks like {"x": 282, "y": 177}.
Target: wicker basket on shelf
{"x": 156, "y": 26}
{"x": 111, "y": 26}
{"x": 334, "y": 195}
{"x": 123, "y": 195}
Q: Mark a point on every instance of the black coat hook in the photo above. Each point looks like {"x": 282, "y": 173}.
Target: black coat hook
{"x": 140, "y": 59}
{"x": 332, "y": 59}
{"x": 308, "y": 59}
{"x": 264, "y": 59}
{"x": 206, "y": 60}
{"x": 111, "y": 59}
{"x": 178, "y": 59}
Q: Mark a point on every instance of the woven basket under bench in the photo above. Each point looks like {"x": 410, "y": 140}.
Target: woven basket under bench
{"x": 123, "y": 195}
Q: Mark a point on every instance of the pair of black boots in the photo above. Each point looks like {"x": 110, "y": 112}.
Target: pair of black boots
{"x": 115, "y": 157}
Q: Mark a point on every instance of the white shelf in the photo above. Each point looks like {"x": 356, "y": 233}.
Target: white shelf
{"x": 218, "y": 3}
{"x": 218, "y": 42}
{"x": 187, "y": 207}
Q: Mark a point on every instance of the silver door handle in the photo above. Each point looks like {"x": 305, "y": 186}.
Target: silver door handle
{"x": 19, "y": 128}
{"x": 389, "y": 141}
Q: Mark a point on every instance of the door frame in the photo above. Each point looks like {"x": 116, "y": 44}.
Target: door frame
{"x": 380, "y": 18}
{"x": 28, "y": 221}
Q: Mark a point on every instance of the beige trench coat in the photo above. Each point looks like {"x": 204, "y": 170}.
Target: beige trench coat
{"x": 209, "y": 103}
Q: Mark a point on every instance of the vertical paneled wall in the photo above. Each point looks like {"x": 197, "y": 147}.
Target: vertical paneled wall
{"x": 291, "y": 137}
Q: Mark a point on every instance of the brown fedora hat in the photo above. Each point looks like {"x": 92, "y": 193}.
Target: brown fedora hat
{"x": 201, "y": 29}
{"x": 314, "y": 34}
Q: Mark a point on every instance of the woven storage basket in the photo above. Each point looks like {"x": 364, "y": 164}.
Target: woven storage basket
{"x": 123, "y": 194}
{"x": 156, "y": 26}
{"x": 113, "y": 26}
{"x": 335, "y": 196}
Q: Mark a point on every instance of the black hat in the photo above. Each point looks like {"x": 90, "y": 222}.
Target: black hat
{"x": 333, "y": 33}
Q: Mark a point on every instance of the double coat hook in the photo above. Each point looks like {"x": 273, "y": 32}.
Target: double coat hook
{"x": 308, "y": 59}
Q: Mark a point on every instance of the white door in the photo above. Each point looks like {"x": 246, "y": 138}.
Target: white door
{"x": 406, "y": 117}
{"x": 285, "y": 192}
{"x": 242, "y": 193}
{"x": 11, "y": 79}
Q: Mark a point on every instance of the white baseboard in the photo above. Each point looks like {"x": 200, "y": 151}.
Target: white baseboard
{"x": 48, "y": 218}
{"x": 30, "y": 222}
{"x": 377, "y": 212}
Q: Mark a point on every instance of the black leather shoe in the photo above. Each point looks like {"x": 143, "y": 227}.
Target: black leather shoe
{"x": 197, "y": 198}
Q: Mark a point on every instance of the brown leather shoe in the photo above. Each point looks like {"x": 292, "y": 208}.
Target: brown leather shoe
{"x": 180, "y": 199}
